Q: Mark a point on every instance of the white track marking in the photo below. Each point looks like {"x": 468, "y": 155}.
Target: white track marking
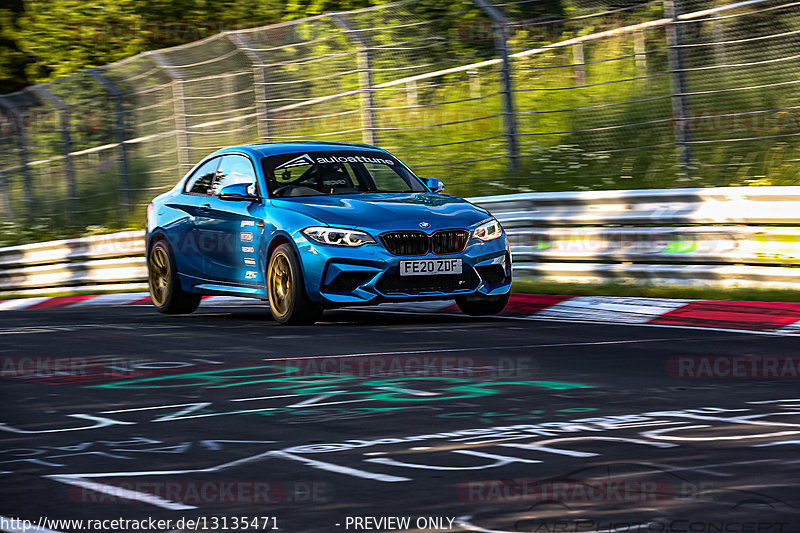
{"x": 673, "y": 326}
{"x": 705, "y": 469}
{"x": 315, "y": 399}
{"x": 471, "y": 349}
{"x": 125, "y": 494}
{"x": 110, "y": 300}
{"x": 330, "y": 467}
{"x": 151, "y": 408}
{"x": 793, "y": 328}
{"x": 657, "y": 434}
{"x": 21, "y": 303}
{"x": 543, "y": 444}
{"x": 265, "y": 397}
{"x": 464, "y": 522}
{"x": 101, "y": 422}
{"x": 223, "y": 466}
{"x": 500, "y": 461}
{"x": 617, "y": 310}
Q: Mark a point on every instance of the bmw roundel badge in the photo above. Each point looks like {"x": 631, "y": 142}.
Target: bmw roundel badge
{"x": 424, "y": 225}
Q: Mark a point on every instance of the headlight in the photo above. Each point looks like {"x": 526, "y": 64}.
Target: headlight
{"x": 338, "y": 236}
{"x": 488, "y": 231}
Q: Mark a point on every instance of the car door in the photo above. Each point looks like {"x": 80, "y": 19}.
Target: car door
{"x": 230, "y": 232}
{"x": 194, "y": 201}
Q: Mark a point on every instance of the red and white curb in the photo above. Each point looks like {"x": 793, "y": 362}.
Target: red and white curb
{"x": 754, "y": 317}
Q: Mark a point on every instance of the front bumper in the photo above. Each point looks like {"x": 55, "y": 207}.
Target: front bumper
{"x": 340, "y": 276}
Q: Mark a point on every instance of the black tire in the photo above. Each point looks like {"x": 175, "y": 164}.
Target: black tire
{"x": 487, "y": 305}
{"x": 162, "y": 279}
{"x": 288, "y": 301}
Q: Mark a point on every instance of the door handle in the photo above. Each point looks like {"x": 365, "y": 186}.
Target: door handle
{"x": 205, "y": 208}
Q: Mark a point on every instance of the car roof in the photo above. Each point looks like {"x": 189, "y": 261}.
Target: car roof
{"x": 264, "y": 149}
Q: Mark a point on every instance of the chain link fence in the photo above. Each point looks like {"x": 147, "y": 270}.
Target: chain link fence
{"x": 658, "y": 94}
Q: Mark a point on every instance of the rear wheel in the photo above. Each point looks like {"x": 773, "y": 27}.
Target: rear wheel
{"x": 486, "y": 305}
{"x": 165, "y": 289}
{"x": 288, "y": 301}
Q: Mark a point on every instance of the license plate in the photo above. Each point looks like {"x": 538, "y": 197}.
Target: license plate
{"x": 430, "y": 267}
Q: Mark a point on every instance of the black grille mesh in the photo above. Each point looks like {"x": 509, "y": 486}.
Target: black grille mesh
{"x": 447, "y": 241}
{"x": 392, "y": 283}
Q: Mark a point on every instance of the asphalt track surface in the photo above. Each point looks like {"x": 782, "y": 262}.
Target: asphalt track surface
{"x": 499, "y": 424}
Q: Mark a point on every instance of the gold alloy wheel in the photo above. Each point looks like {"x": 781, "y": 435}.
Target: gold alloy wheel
{"x": 281, "y": 290}
{"x": 159, "y": 276}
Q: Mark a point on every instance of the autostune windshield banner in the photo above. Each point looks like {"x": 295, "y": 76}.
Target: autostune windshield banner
{"x": 313, "y": 158}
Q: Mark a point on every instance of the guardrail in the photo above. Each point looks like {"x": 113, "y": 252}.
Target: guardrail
{"x": 720, "y": 237}
{"x": 113, "y": 261}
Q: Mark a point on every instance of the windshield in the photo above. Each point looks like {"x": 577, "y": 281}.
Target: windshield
{"x": 340, "y": 172}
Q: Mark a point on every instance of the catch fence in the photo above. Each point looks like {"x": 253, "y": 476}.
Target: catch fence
{"x": 492, "y": 98}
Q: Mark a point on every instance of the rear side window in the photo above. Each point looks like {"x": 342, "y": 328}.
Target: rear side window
{"x": 204, "y": 178}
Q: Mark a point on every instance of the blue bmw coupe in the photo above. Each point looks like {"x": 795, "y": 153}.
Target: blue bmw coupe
{"x": 316, "y": 225}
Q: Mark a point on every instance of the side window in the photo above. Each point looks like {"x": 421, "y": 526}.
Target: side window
{"x": 236, "y": 169}
{"x": 202, "y": 181}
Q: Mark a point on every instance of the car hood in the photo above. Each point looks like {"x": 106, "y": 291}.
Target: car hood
{"x": 387, "y": 211}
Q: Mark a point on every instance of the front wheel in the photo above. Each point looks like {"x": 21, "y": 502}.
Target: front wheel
{"x": 288, "y": 301}
{"x": 485, "y": 305}
{"x": 165, "y": 289}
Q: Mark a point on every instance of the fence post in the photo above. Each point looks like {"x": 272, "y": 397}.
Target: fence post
{"x": 5, "y": 201}
{"x": 66, "y": 141}
{"x": 509, "y": 112}
{"x": 680, "y": 100}
{"x": 474, "y": 84}
{"x": 119, "y": 130}
{"x": 259, "y": 80}
{"x": 579, "y": 64}
{"x": 24, "y": 157}
{"x": 640, "y": 50}
{"x": 718, "y": 25}
{"x": 412, "y": 98}
{"x": 370, "y": 134}
{"x": 179, "y": 106}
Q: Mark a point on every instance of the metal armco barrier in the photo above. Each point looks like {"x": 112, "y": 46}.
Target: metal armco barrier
{"x": 715, "y": 237}
{"x": 100, "y": 262}
{"x": 122, "y": 244}
{"x": 701, "y": 244}
{"x": 720, "y": 237}
{"x": 717, "y": 205}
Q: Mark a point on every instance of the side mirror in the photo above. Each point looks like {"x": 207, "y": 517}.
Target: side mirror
{"x": 435, "y": 185}
{"x": 237, "y": 192}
